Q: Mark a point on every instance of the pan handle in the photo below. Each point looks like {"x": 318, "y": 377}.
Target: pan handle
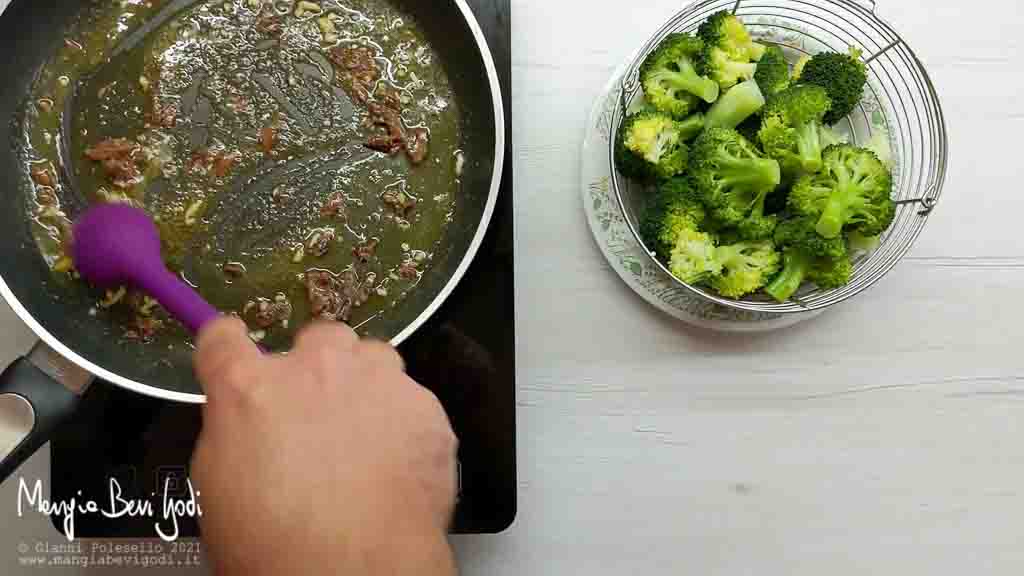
{"x": 38, "y": 393}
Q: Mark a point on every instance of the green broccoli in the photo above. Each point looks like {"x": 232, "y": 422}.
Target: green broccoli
{"x": 799, "y": 232}
{"x": 733, "y": 271}
{"x": 805, "y": 252}
{"x": 669, "y": 210}
{"x": 791, "y": 128}
{"x": 857, "y": 242}
{"x": 746, "y": 268}
{"x": 831, "y": 274}
{"x": 732, "y": 179}
{"x": 691, "y": 127}
{"x": 842, "y": 76}
{"x": 758, "y": 226}
{"x": 728, "y": 50}
{"x": 670, "y": 79}
{"x": 830, "y": 136}
{"x": 798, "y": 68}
{"x": 735, "y": 106}
{"x": 852, "y": 192}
{"x": 772, "y": 73}
{"x": 693, "y": 257}
{"x": 650, "y": 147}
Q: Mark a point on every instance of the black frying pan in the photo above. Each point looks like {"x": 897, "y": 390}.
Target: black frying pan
{"x": 40, "y": 391}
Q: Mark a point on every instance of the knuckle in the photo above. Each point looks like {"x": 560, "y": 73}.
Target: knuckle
{"x": 380, "y": 353}
{"x": 236, "y": 383}
{"x": 328, "y": 335}
{"x": 324, "y": 346}
{"x": 451, "y": 440}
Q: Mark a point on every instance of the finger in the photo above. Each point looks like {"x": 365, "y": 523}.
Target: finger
{"x": 223, "y": 351}
{"x": 382, "y": 354}
{"x": 324, "y": 340}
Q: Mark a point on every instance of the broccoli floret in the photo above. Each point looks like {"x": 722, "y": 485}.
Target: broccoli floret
{"x": 800, "y": 233}
{"x": 757, "y": 226}
{"x": 852, "y": 192}
{"x": 843, "y": 76}
{"x": 804, "y": 253}
{"x": 772, "y": 73}
{"x": 693, "y": 257}
{"x": 732, "y": 179}
{"x": 735, "y": 106}
{"x": 831, "y": 274}
{"x": 733, "y": 271}
{"x": 650, "y": 147}
{"x": 791, "y": 128}
{"x": 745, "y": 268}
{"x": 728, "y": 50}
{"x": 670, "y": 79}
{"x": 671, "y": 209}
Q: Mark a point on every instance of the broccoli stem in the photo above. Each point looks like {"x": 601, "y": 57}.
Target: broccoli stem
{"x": 687, "y": 80}
{"x": 740, "y": 70}
{"x": 735, "y": 106}
{"x": 691, "y": 127}
{"x": 760, "y": 174}
{"x": 809, "y": 147}
{"x": 857, "y": 242}
{"x": 833, "y": 217}
{"x": 704, "y": 88}
{"x": 796, "y": 264}
{"x": 830, "y": 225}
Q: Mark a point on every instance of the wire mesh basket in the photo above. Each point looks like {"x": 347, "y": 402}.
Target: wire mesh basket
{"x": 900, "y": 107}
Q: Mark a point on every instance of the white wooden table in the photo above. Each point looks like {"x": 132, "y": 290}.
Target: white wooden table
{"x": 881, "y": 438}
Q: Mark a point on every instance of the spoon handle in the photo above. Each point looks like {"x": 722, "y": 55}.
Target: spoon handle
{"x": 179, "y": 299}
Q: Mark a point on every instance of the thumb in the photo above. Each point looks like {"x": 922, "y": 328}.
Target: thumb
{"x": 225, "y": 355}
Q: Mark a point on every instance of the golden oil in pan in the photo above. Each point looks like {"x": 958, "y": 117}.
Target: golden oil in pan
{"x": 214, "y": 53}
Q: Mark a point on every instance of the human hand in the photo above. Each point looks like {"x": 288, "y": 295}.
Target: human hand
{"x": 327, "y": 460}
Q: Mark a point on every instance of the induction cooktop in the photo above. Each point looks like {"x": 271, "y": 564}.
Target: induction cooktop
{"x": 465, "y": 354}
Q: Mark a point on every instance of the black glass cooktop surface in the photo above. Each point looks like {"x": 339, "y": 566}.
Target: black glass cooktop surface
{"x": 465, "y": 354}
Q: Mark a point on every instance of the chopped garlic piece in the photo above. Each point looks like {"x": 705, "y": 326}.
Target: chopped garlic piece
{"x": 63, "y": 264}
{"x": 113, "y": 297}
{"x": 327, "y": 28}
{"x": 191, "y": 215}
{"x": 148, "y": 304}
{"x": 304, "y": 7}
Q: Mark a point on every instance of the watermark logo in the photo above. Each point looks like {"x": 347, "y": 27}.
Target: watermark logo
{"x": 178, "y": 500}
{"x": 110, "y": 554}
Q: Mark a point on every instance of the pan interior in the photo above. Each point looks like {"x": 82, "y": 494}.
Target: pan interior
{"x": 228, "y": 87}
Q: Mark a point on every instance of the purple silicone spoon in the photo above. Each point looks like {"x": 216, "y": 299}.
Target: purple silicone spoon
{"x": 117, "y": 244}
